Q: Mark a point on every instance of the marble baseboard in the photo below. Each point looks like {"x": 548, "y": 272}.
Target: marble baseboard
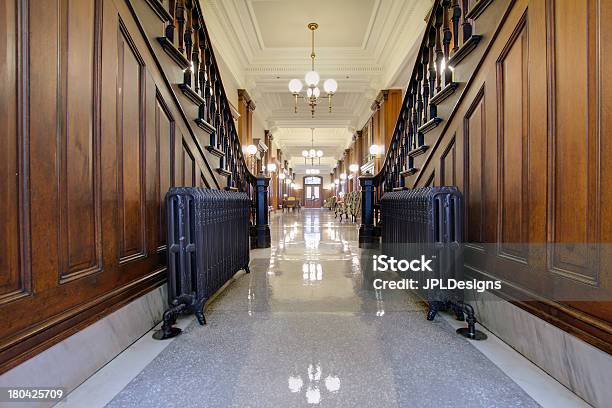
{"x": 71, "y": 361}
{"x": 576, "y": 364}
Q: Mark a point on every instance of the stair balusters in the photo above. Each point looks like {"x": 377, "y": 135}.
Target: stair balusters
{"x": 448, "y": 39}
{"x": 187, "y": 42}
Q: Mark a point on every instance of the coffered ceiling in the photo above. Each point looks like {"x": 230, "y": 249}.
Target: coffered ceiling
{"x": 366, "y": 45}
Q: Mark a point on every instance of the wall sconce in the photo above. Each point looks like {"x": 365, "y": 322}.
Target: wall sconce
{"x": 375, "y": 150}
{"x": 251, "y": 150}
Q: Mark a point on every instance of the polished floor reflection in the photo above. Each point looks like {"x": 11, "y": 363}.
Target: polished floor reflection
{"x": 306, "y": 328}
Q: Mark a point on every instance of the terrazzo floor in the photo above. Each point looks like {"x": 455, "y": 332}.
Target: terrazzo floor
{"x": 307, "y": 328}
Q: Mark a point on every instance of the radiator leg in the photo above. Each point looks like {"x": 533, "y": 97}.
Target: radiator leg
{"x": 470, "y": 332}
{"x": 169, "y": 318}
{"x": 247, "y": 269}
{"x": 459, "y": 315}
{"x": 433, "y": 310}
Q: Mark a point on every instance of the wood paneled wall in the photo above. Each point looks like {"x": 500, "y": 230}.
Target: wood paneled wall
{"x": 528, "y": 146}
{"x": 380, "y": 126}
{"x": 92, "y": 138}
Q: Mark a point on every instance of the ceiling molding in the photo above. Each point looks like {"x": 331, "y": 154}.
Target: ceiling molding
{"x": 378, "y": 60}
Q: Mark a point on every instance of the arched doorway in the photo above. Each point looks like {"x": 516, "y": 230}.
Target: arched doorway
{"x": 313, "y": 195}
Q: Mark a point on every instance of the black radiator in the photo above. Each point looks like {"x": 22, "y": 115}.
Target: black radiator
{"x": 207, "y": 243}
{"x": 428, "y": 222}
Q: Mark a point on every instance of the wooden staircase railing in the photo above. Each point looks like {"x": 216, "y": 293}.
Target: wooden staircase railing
{"x": 449, "y": 38}
{"x": 187, "y": 42}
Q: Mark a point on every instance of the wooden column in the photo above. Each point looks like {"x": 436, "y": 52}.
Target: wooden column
{"x": 246, "y": 106}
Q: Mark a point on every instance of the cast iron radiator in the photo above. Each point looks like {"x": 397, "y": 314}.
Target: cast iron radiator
{"x": 428, "y": 222}
{"x": 208, "y": 242}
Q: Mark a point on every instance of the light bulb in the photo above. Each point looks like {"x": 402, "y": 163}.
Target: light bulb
{"x": 374, "y": 149}
{"x": 295, "y": 86}
{"x": 330, "y": 86}
{"x": 319, "y": 153}
{"x": 337, "y": 181}
{"x": 305, "y": 153}
{"x": 309, "y": 92}
{"x": 272, "y": 167}
{"x": 312, "y": 153}
{"x": 288, "y": 181}
{"x": 281, "y": 176}
{"x": 251, "y": 149}
{"x": 353, "y": 168}
{"x": 343, "y": 176}
{"x": 316, "y": 92}
{"x": 312, "y": 78}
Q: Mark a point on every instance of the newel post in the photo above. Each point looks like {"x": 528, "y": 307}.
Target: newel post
{"x": 262, "y": 228}
{"x": 367, "y": 233}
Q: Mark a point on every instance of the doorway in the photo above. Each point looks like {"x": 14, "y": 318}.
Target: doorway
{"x": 312, "y": 191}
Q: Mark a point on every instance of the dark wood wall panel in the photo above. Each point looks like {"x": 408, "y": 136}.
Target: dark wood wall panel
{"x": 530, "y": 134}
{"x": 474, "y": 139}
{"x": 86, "y": 157}
{"x": 78, "y": 176}
{"x": 574, "y": 194}
{"x": 130, "y": 149}
{"x": 513, "y": 134}
{"x": 448, "y": 165}
{"x": 164, "y": 136}
{"x": 189, "y": 168}
{"x": 14, "y": 279}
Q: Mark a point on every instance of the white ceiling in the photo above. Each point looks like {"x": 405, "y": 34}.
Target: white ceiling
{"x": 286, "y": 16}
{"x": 364, "y": 44}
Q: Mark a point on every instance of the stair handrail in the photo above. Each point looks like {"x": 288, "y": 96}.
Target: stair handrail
{"x": 214, "y": 113}
{"x": 234, "y": 133}
{"x": 378, "y": 176}
{"x": 431, "y": 81}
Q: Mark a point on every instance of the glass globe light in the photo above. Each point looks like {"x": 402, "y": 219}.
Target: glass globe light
{"x": 316, "y": 92}
{"x": 307, "y": 171}
{"x": 312, "y": 153}
{"x": 288, "y": 181}
{"x": 292, "y": 184}
{"x": 295, "y": 86}
{"x": 343, "y": 176}
{"x": 330, "y": 86}
{"x": 272, "y": 167}
{"x": 281, "y": 176}
{"x": 305, "y": 153}
{"x": 319, "y": 153}
{"x": 312, "y": 78}
{"x": 353, "y": 168}
{"x": 336, "y": 181}
{"x": 309, "y": 92}
{"x": 374, "y": 149}
{"x": 251, "y": 149}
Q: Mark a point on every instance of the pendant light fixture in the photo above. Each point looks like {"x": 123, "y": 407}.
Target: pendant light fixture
{"x": 312, "y": 79}
{"x": 312, "y": 154}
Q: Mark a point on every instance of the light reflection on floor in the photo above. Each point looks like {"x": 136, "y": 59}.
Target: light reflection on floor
{"x": 306, "y": 327}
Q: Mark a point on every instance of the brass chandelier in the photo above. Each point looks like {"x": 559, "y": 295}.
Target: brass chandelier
{"x": 312, "y": 154}
{"x": 312, "y": 79}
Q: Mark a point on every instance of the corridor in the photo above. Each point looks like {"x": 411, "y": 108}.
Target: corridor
{"x": 306, "y": 328}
